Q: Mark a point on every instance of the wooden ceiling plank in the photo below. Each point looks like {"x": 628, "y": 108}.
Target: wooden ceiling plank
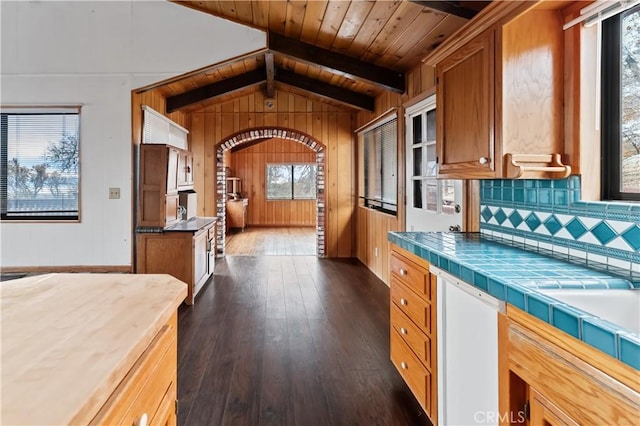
{"x": 432, "y": 40}
{"x": 380, "y": 15}
{"x": 326, "y": 104}
{"x": 401, "y": 18}
{"x": 260, "y": 10}
{"x": 449, "y": 7}
{"x": 270, "y": 71}
{"x": 228, "y": 9}
{"x": 338, "y": 63}
{"x": 401, "y": 46}
{"x": 312, "y": 20}
{"x": 239, "y": 82}
{"x": 277, "y": 16}
{"x": 351, "y": 98}
{"x": 352, "y": 23}
{"x": 244, "y": 10}
{"x": 333, "y": 16}
{"x": 295, "y": 18}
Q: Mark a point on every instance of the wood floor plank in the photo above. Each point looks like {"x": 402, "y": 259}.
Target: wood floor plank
{"x": 290, "y": 340}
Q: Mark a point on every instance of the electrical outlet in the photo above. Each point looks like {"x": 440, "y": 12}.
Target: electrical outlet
{"x": 114, "y": 193}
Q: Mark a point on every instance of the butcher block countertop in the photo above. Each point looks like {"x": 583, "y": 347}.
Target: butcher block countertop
{"x": 68, "y": 340}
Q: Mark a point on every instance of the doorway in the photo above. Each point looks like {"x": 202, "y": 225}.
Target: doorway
{"x": 255, "y": 136}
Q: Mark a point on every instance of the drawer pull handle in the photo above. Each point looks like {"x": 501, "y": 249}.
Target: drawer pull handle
{"x": 404, "y": 365}
{"x": 142, "y": 421}
{"x": 403, "y": 330}
{"x": 403, "y": 302}
{"x": 403, "y": 272}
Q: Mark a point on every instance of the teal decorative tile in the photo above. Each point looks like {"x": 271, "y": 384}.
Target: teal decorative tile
{"x": 480, "y": 281}
{"x": 539, "y": 306}
{"x": 518, "y": 195}
{"x": 596, "y": 334}
{"x": 552, "y": 224}
{"x": 576, "y": 228}
{"x": 497, "y": 289}
{"x": 531, "y": 196}
{"x": 566, "y": 319}
{"x": 486, "y": 214}
{"x": 516, "y": 296}
{"x": 603, "y": 233}
{"x": 630, "y": 350}
{"x": 632, "y": 236}
{"x": 515, "y": 218}
{"x": 532, "y": 221}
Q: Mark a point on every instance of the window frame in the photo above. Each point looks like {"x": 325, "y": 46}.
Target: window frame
{"x": 375, "y": 203}
{"x": 611, "y": 120}
{"x": 293, "y": 194}
{"x": 49, "y": 216}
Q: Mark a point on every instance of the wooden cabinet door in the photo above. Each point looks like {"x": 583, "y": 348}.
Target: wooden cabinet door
{"x": 465, "y": 104}
{"x": 545, "y": 413}
{"x": 172, "y": 171}
{"x": 185, "y": 170}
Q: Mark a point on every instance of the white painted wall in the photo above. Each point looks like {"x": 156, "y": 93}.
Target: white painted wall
{"x": 93, "y": 54}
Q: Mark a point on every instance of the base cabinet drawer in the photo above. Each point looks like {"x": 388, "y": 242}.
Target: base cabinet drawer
{"x": 413, "y": 337}
{"x": 142, "y": 392}
{"x": 413, "y": 306}
{"x": 412, "y": 275}
{"x": 412, "y": 371}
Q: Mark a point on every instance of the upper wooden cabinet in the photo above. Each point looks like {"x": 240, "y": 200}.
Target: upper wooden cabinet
{"x": 500, "y": 95}
{"x": 163, "y": 171}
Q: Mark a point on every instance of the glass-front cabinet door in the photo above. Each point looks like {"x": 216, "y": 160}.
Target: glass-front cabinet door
{"x": 431, "y": 203}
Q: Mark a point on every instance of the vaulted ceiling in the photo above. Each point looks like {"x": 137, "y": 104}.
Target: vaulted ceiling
{"x": 342, "y": 52}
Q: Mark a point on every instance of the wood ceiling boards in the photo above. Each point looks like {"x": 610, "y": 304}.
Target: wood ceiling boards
{"x": 360, "y": 47}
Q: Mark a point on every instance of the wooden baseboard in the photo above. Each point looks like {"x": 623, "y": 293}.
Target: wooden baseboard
{"x": 74, "y": 269}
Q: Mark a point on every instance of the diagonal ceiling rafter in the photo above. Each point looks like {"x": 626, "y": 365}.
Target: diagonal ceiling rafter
{"x": 259, "y": 76}
{"x": 336, "y": 63}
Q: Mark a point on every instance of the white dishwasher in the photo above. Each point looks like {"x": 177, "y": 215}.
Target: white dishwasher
{"x": 467, "y": 353}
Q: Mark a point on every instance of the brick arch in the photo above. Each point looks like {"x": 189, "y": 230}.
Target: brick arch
{"x": 251, "y": 135}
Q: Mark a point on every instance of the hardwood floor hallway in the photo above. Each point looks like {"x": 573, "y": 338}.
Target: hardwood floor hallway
{"x": 290, "y": 340}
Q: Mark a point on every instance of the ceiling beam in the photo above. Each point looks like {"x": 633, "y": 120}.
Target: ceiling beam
{"x": 353, "y": 99}
{"x": 450, "y": 7}
{"x": 270, "y": 68}
{"x": 215, "y": 89}
{"x": 337, "y": 63}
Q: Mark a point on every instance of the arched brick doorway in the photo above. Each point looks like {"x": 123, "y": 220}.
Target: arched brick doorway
{"x": 250, "y": 135}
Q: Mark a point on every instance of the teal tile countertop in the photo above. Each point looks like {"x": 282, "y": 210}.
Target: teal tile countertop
{"x": 510, "y": 273}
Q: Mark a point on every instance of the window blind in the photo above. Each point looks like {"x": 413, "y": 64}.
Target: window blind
{"x": 40, "y": 163}
{"x": 380, "y": 167}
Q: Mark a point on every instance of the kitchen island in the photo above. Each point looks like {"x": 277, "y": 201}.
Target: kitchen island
{"x": 89, "y": 349}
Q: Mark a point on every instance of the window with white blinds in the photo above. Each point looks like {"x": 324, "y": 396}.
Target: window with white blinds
{"x": 39, "y": 155}
{"x": 380, "y": 164}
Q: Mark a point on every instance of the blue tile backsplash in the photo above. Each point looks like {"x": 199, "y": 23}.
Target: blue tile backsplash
{"x": 548, "y": 214}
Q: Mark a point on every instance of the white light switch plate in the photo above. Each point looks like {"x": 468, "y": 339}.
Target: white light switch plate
{"x": 114, "y": 193}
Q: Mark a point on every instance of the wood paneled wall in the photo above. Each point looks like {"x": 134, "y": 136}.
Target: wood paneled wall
{"x": 372, "y": 245}
{"x": 330, "y": 125}
{"x": 155, "y": 100}
{"x": 249, "y": 164}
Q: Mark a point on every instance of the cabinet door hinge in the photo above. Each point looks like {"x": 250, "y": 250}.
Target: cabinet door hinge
{"x": 526, "y": 410}
{"x": 176, "y": 406}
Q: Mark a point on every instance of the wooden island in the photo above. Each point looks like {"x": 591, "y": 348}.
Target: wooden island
{"x": 89, "y": 349}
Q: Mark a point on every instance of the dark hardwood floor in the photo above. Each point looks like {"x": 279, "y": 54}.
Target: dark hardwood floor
{"x": 290, "y": 340}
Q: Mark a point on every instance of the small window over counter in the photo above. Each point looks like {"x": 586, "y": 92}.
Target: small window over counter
{"x": 40, "y": 177}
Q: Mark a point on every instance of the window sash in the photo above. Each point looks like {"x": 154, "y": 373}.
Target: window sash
{"x": 612, "y": 110}
{"x": 299, "y": 181}
{"x": 380, "y": 167}
{"x": 39, "y": 159}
